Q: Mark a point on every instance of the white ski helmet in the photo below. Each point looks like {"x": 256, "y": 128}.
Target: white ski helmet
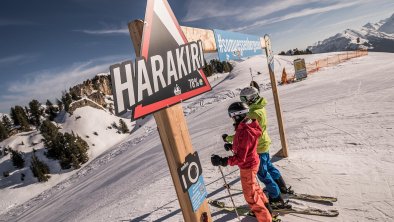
{"x": 249, "y": 95}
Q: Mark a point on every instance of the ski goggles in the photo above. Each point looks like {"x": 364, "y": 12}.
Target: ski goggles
{"x": 244, "y": 99}
{"x": 232, "y": 114}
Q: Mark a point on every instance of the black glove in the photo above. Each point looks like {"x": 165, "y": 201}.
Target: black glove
{"x": 219, "y": 161}
{"x": 228, "y": 146}
{"x": 224, "y": 136}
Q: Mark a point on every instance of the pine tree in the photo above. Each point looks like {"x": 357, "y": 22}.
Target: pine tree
{"x": 14, "y": 117}
{"x": 123, "y": 127}
{"x": 226, "y": 66}
{"x": 52, "y": 139}
{"x": 3, "y": 132}
{"x": 59, "y": 105}
{"x": 39, "y": 169}
{"x": 20, "y": 118}
{"x": 7, "y": 123}
{"x": 50, "y": 110}
{"x": 48, "y": 103}
{"x": 67, "y": 100}
{"x": 75, "y": 152}
{"x": 35, "y": 111}
{"x": 17, "y": 159}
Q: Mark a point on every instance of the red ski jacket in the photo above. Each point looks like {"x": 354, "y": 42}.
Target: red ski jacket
{"x": 245, "y": 145}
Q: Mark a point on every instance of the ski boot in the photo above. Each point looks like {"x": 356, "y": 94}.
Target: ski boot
{"x": 279, "y": 203}
{"x": 282, "y": 186}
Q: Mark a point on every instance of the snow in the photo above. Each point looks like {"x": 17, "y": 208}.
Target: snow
{"x": 339, "y": 126}
{"x": 103, "y": 74}
{"x": 87, "y": 125}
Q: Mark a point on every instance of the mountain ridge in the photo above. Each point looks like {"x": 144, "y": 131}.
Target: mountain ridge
{"x": 377, "y": 37}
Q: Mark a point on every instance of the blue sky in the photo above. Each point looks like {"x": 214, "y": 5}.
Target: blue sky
{"x": 48, "y": 46}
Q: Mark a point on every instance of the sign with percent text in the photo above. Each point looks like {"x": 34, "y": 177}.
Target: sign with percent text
{"x": 168, "y": 71}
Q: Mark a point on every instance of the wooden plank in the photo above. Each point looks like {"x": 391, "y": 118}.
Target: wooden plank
{"x": 205, "y": 35}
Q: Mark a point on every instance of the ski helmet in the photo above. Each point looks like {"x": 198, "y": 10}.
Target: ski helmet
{"x": 249, "y": 95}
{"x": 238, "y": 111}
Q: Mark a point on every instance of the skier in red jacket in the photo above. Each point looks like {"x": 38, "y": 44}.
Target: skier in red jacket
{"x": 246, "y": 136}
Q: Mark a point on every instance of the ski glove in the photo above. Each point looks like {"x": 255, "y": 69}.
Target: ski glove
{"x": 228, "y": 146}
{"x": 224, "y": 136}
{"x": 219, "y": 161}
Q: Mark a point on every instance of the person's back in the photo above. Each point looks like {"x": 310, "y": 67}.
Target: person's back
{"x": 257, "y": 111}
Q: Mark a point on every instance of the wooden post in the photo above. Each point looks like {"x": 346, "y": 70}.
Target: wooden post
{"x": 284, "y": 151}
{"x": 175, "y": 138}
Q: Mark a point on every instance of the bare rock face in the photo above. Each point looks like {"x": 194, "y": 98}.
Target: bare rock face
{"x": 82, "y": 103}
{"x": 94, "y": 89}
{"x": 98, "y": 98}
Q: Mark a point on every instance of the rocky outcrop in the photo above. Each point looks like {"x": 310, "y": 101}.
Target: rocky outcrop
{"x": 94, "y": 89}
{"x": 82, "y": 103}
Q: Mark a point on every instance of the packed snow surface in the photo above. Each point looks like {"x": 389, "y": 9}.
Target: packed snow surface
{"x": 339, "y": 125}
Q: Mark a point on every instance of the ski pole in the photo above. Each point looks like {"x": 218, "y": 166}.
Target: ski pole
{"x": 229, "y": 193}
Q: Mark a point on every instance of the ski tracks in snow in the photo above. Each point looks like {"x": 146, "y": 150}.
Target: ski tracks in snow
{"x": 85, "y": 170}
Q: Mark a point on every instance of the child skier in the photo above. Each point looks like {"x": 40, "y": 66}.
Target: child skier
{"x": 268, "y": 174}
{"x": 246, "y": 136}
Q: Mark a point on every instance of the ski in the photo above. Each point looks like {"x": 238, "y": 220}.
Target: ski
{"x": 309, "y": 211}
{"x": 312, "y": 198}
{"x": 244, "y": 210}
{"x": 307, "y": 197}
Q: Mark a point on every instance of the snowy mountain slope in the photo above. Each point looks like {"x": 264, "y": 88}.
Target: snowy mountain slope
{"x": 339, "y": 129}
{"x": 85, "y": 122}
{"x": 374, "y": 37}
{"x": 388, "y": 26}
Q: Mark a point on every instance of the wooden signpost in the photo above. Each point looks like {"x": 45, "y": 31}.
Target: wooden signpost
{"x": 270, "y": 59}
{"x": 156, "y": 83}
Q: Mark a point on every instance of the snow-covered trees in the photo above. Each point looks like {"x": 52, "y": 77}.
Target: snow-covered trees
{"x": 69, "y": 149}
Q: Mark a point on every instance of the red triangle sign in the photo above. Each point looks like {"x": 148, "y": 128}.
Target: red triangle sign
{"x": 174, "y": 65}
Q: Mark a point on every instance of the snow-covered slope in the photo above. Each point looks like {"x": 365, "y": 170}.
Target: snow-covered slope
{"x": 93, "y": 125}
{"x": 339, "y": 125}
{"x": 374, "y": 37}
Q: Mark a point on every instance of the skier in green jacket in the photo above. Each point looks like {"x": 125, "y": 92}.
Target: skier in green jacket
{"x": 268, "y": 174}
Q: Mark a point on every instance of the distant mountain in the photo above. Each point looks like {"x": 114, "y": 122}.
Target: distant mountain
{"x": 374, "y": 37}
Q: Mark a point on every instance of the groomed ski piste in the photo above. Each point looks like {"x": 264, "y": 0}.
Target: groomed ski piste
{"x": 339, "y": 124}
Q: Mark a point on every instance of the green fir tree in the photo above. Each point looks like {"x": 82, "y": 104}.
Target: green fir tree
{"x": 39, "y": 169}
